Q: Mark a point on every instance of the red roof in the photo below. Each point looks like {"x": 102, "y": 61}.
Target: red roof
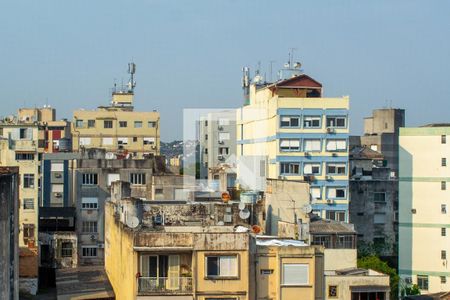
{"x": 299, "y": 81}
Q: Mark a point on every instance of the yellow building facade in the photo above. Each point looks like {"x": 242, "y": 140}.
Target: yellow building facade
{"x": 303, "y": 136}
{"x": 117, "y": 128}
{"x": 424, "y": 190}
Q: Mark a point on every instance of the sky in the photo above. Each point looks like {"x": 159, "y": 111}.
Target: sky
{"x": 189, "y": 54}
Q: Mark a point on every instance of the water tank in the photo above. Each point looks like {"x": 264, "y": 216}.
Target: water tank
{"x": 65, "y": 145}
{"x": 249, "y": 197}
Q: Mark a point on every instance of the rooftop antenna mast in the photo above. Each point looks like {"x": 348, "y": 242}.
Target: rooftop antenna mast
{"x": 271, "y": 69}
{"x": 131, "y": 71}
{"x": 291, "y": 57}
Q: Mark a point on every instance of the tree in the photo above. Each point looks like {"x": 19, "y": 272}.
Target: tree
{"x": 411, "y": 290}
{"x": 376, "y": 264}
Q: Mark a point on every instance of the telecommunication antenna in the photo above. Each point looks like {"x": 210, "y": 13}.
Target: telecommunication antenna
{"x": 291, "y": 57}
{"x": 131, "y": 71}
{"x": 271, "y": 69}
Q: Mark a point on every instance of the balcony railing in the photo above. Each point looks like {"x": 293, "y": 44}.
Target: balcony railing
{"x": 165, "y": 284}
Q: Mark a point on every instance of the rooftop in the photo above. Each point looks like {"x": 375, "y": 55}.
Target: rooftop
{"x": 330, "y": 227}
{"x": 437, "y": 125}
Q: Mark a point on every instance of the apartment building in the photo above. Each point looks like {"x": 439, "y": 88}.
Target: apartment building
{"x": 217, "y": 137}
{"x": 19, "y": 148}
{"x": 303, "y": 135}
{"x": 117, "y": 128}
{"x": 423, "y": 207}
{"x": 9, "y": 231}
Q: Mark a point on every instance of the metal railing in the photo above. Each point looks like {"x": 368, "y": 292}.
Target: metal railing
{"x": 164, "y": 284}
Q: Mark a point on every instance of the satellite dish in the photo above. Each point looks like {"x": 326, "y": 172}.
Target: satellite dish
{"x": 241, "y": 205}
{"x": 244, "y": 214}
{"x": 132, "y": 222}
{"x": 307, "y": 208}
{"x": 220, "y": 223}
{"x": 147, "y": 207}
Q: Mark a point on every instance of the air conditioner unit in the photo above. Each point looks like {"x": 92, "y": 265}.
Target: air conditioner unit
{"x": 227, "y": 218}
{"x": 58, "y": 195}
{"x": 101, "y": 246}
{"x": 220, "y": 127}
{"x": 221, "y": 142}
{"x": 330, "y": 130}
{"x": 93, "y": 237}
{"x": 58, "y": 175}
{"x": 220, "y": 157}
{"x": 334, "y": 154}
{"x": 329, "y": 177}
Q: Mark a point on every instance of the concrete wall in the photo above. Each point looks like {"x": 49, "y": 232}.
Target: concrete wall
{"x": 345, "y": 283}
{"x": 338, "y": 259}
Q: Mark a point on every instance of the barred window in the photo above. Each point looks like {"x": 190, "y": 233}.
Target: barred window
{"x": 137, "y": 178}
{"x": 90, "y": 178}
{"x": 90, "y": 226}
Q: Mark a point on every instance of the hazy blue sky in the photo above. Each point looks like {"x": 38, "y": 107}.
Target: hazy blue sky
{"x": 189, "y": 54}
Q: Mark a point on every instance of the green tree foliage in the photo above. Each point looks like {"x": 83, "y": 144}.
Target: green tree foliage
{"x": 376, "y": 264}
{"x": 411, "y": 290}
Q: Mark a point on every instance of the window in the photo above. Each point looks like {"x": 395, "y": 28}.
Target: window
{"x": 379, "y": 218}
{"x": 206, "y": 137}
{"x": 134, "y": 139}
{"x": 443, "y": 254}
{"x": 443, "y": 139}
{"x": 89, "y": 251}
{"x": 336, "y": 193}
{"x": 28, "y": 203}
{"x": 444, "y": 162}
{"x": 89, "y": 203}
{"x": 443, "y": 208}
{"x": 336, "y": 122}
{"x": 28, "y": 232}
{"x": 91, "y": 123}
{"x": 289, "y": 168}
{"x": 122, "y": 141}
{"x": 224, "y": 150}
{"x": 28, "y": 181}
{"x": 332, "y": 291}
{"x": 107, "y": 124}
{"x": 344, "y": 241}
{"x": 443, "y": 279}
{"x": 292, "y": 121}
{"x": 295, "y": 274}
{"x": 107, "y": 141}
{"x": 335, "y": 215}
{"x": 23, "y": 133}
{"x": 311, "y": 169}
{"x": 137, "y": 178}
{"x": 24, "y": 156}
{"x": 379, "y": 197}
{"x": 85, "y": 141}
{"x": 221, "y": 266}
{"x": 123, "y": 124}
{"x": 443, "y": 185}
{"x": 159, "y": 191}
{"x": 149, "y": 140}
{"x": 312, "y": 121}
{"x": 57, "y": 167}
{"x": 224, "y": 136}
{"x": 89, "y": 226}
{"x": 315, "y": 192}
{"x": 289, "y": 145}
{"x": 79, "y": 123}
{"x": 422, "y": 282}
{"x": 443, "y": 231}
{"x": 336, "y": 145}
{"x": 151, "y": 124}
{"x": 336, "y": 169}
{"x": 90, "y": 179}
{"x": 312, "y": 145}
{"x": 206, "y": 122}
{"x": 206, "y": 150}
{"x": 323, "y": 240}
{"x": 137, "y": 124}
{"x": 66, "y": 249}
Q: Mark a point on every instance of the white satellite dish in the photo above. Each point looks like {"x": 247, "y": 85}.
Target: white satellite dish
{"x": 307, "y": 208}
{"x": 241, "y": 205}
{"x": 132, "y": 222}
{"x": 220, "y": 223}
{"x": 244, "y": 214}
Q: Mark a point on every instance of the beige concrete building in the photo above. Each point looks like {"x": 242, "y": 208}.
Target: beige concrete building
{"x": 424, "y": 184}
{"x": 117, "y": 128}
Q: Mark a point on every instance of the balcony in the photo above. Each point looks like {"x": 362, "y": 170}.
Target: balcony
{"x": 167, "y": 285}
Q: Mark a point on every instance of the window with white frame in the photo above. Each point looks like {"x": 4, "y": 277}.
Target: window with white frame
{"x": 107, "y": 141}
{"x": 66, "y": 249}
{"x": 312, "y": 145}
{"x": 123, "y": 124}
{"x": 85, "y": 141}
{"x": 89, "y": 203}
{"x": 222, "y": 266}
{"x": 311, "y": 168}
{"x": 122, "y": 141}
{"x": 108, "y": 124}
{"x": 295, "y": 274}
{"x": 151, "y": 124}
{"x": 289, "y": 168}
{"x": 289, "y": 145}
{"x": 137, "y": 178}
{"x": 137, "y": 124}
{"x": 28, "y": 181}
{"x": 57, "y": 167}
{"x": 316, "y": 192}
{"x": 28, "y": 203}
{"x": 224, "y": 136}
{"x": 289, "y": 121}
{"x": 337, "y": 122}
{"x": 336, "y": 145}
{"x": 78, "y": 123}
{"x": 336, "y": 168}
{"x": 312, "y": 121}
{"x": 149, "y": 140}
{"x": 336, "y": 192}
{"x": 89, "y": 227}
{"x": 335, "y": 215}
{"x": 90, "y": 179}
{"x": 24, "y": 156}
{"x": 89, "y": 251}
